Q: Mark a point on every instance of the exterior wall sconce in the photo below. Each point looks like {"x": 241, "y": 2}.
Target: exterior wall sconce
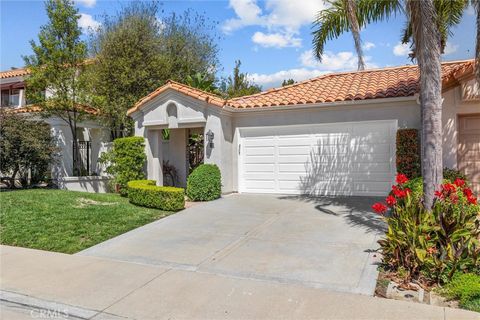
{"x": 210, "y": 135}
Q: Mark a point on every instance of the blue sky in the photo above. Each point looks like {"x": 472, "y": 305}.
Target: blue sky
{"x": 272, "y": 38}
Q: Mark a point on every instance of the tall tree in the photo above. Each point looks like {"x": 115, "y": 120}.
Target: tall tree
{"x": 202, "y": 82}
{"x": 428, "y": 26}
{"x": 136, "y": 52}
{"x": 56, "y": 81}
{"x": 287, "y": 82}
{"x": 238, "y": 84}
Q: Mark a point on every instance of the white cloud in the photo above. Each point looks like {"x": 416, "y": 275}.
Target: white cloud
{"x": 401, "y": 49}
{"x": 275, "y": 79}
{"x": 248, "y": 13}
{"x": 276, "y": 40}
{"x": 368, "y": 45}
{"x": 341, "y": 61}
{"x": 282, "y": 18}
{"x": 450, "y": 48}
{"x": 87, "y": 3}
{"x": 86, "y": 22}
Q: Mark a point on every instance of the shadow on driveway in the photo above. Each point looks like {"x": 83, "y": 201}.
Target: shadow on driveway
{"x": 356, "y": 210}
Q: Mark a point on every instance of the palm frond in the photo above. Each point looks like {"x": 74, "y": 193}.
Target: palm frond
{"x": 329, "y": 24}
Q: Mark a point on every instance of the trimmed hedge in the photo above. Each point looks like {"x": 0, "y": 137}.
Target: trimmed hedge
{"x": 408, "y": 153}
{"x": 204, "y": 183}
{"x": 146, "y": 194}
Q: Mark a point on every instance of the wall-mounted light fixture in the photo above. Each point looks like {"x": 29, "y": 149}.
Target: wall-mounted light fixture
{"x": 210, "y": 135}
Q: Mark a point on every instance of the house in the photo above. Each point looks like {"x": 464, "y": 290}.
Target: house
{"x": 93, "y": 137}
{"x": 331, "y": 135}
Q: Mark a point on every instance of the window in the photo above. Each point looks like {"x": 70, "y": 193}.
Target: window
{"x": 5, "y": 98}
{"x": 15, "y": 97}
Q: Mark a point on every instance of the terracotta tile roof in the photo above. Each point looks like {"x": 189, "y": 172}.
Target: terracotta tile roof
{"x": 183, "y": 88}
{"x": 391, "y": 82}
{"x": 13, "y": 73}
{"x": 35, "y": 108}
{"x": 362, "y": 85}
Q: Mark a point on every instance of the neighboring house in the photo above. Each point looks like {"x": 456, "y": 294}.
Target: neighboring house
{"x": 331, "y": 135}
{"x": 92, "y": 135}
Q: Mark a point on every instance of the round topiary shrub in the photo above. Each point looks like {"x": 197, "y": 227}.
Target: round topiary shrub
{"x": 204, "y": 183}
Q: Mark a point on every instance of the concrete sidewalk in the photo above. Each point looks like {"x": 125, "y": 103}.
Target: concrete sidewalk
{"x": 38, "y": 283}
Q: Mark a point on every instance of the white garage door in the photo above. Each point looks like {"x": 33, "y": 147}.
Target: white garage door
{"x": 355, "y": 158}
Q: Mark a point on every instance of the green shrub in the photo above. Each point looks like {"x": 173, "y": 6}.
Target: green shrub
{"x": 408, "y": 153}
{"x": 125, "y": 161}
{"x": 453, "y": 174}
{"x": 464, "y": 287}
{"x": 431, "y": 244}
{"x": 204, "y": 183}
{"x": 146, "y": 194}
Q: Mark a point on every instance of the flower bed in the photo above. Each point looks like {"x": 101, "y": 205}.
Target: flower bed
{"x": 430, "y": 246}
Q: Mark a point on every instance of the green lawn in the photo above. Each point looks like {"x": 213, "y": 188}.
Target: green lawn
{"x": 67, "y": 221}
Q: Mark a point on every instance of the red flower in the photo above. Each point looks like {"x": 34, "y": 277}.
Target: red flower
{"x": 401, "y": 178}
{"x": 439, "y": 194}
{"x": 399, "y": 193}
{"x": 408, "y": 191}
{"x": 459, "y": 182}
{"x": 449, "y": 188}
{"x": 431, "y": 250}
{"x": 379, "y": 208}
{"x": 472, "y": 200}
{"x": 391, "y": 201}
{"x": 467, "y": 192}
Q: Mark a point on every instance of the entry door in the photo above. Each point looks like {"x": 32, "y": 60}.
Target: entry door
{"x": 356, "y": 158}
{"x": 469, "y": 149}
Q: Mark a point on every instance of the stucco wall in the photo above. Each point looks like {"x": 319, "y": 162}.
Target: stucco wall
{"x": 90, "y": 131}
{"x": 452, "y": 107}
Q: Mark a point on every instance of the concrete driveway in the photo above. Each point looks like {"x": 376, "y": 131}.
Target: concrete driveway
{"x": 315, "y": 242}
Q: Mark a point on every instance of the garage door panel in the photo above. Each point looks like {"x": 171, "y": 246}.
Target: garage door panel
{"x": 294, "y": 150}
{"x": 260, "y": 142}
{"x": 256, "y": 151}
{"x": 293, "y": 142}
{"x": 260, "y": 176}
{"x": 371, "y": 186}
{"x": 336, "y": 159}
{"x": 260, "y": 184}
{"x": 259, "y": 159}
{"x": 294, "y": 159}
{"x": 270, "y": 167}
{"x": 372, "y": 157}
{"x": 372, "y": 176}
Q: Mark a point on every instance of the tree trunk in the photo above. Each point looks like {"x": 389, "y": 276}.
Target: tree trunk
{"x": 12, "y": 178}
{"x": 351, "y": 8}
{"x": 427, "y": 46}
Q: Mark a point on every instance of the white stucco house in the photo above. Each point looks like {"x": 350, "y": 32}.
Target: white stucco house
{"x": 331, "y": 135}
{"x": 93, "y": 137}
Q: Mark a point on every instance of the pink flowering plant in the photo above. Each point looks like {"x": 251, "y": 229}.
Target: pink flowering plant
{"x": 430, "y": 245}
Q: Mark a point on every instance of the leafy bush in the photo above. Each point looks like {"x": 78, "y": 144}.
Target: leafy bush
{"x": 125, "y": 161}
{"x": 408, "y": 153}
{"x": 430, "y": 245}
{"x": 146, "y": 194}
{"x": 453, "y": 174}
{"x": 26, "y": 145}
{"x": 466, "y": 288}
{"x": 204, "y": 183}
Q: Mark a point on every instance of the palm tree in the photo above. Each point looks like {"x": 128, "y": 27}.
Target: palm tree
{"x": 427, "y": 45}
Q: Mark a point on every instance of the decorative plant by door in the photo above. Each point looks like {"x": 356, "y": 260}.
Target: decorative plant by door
{"x": 195, "y": 151}
{"x": 170, "y": 176}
